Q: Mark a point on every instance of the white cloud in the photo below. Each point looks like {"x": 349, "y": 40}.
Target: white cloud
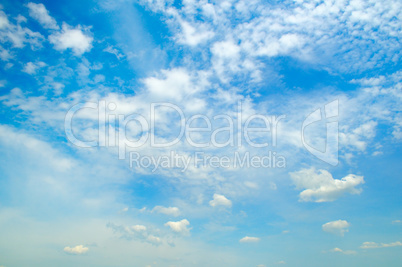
{"x": 42, "y": 150}
{"x": 137, "y": 232}
{"x": 31, "y": 67}
{"x": 220, "y": 200}
{"x": 173, "y": 84}
{"x": 339, "y": 227}
{"x": 249, "y": 239}
{"x": 4, "y": 23}
{"x": 320, "y": 186}
{"x": 172, "y": 211}
{"x": 40, "y": 13}
{"x": 154, "y": 239}
{"x": 180, "y": 226}
{"x": 368, "y": 245}
{"x": 76, "y": 250}
{"x": 396, "y": 221}
{"x": 194, "y": 34}
{"x": 346, "y": 252}
{"x": 17, "y": 35}
{"x": 4, "y": 54}
{"x": 76, "y": 39}
{"x": 139, "y": 228}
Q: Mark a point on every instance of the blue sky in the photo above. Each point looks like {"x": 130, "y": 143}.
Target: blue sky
{"x": 307, "y": 93}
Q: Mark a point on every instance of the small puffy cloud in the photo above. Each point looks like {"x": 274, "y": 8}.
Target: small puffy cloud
{"x": 346, "y": 252}
{"x": 249, "y": 239}
{"x": 220, "y": 200}
{"x": 251, "y": 185}
{"x": 76, "y": 250}
{"x": 368, "y": 245}
{"x": 179, "y": 227}
{"x": 396, "y": 221}
{"x": 171, "y": 211}
{"x": 339, "y": 227}
{"x": 172, "y": 84}
{"x": 76, "y": 39}
{"x": 320, "y": 186}
{"x": 139, "y": 228}
{"x": 40, "y": 13}
{"x": 31, "y": 67}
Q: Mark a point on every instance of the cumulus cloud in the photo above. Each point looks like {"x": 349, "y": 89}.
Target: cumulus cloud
{"x": 77, "y": 39}
{"x": 172, "y": 84}
{"x": 249, "y": 239}
{"x": 368, "y": 245}
{"x": 339, "y": 227}
{"x": 136, "y": 232}
{"x": 220, "y": 200}
{"x": 180, "y": 226}
{"x": 172, "y": 211}
{"x": 80, "y": 249}
{"x": 40, "y": 13}
{"x": 139, "y": 228}
{"x": 346, "y": 252}
{"x": 320, "y": 186}
{"x": 32, "y": 67}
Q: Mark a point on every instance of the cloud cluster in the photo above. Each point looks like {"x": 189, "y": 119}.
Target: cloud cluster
{"x": 77, "y": 250}
{"x": 180, "y": 227}
{"x": 320, "y": 186}
{"x": 339, "y": 227}
{"x": 369, "y": 245}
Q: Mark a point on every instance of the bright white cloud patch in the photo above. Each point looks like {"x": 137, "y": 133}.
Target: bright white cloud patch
{"x": 172, "y": 84}
{"x": 172, "y": 211}
{"x": 76, "y": 250}
{"x": 179, "y": 227}
{"x": 249, "y": 239}
{"x": 40, "y": 13}
{"x": 76, "y": 39}
{"x": 320, "y": 186}
{"x": 220, "y": 200}
{"x": 339, "y": 227}
{"x": 368, "y": 245}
